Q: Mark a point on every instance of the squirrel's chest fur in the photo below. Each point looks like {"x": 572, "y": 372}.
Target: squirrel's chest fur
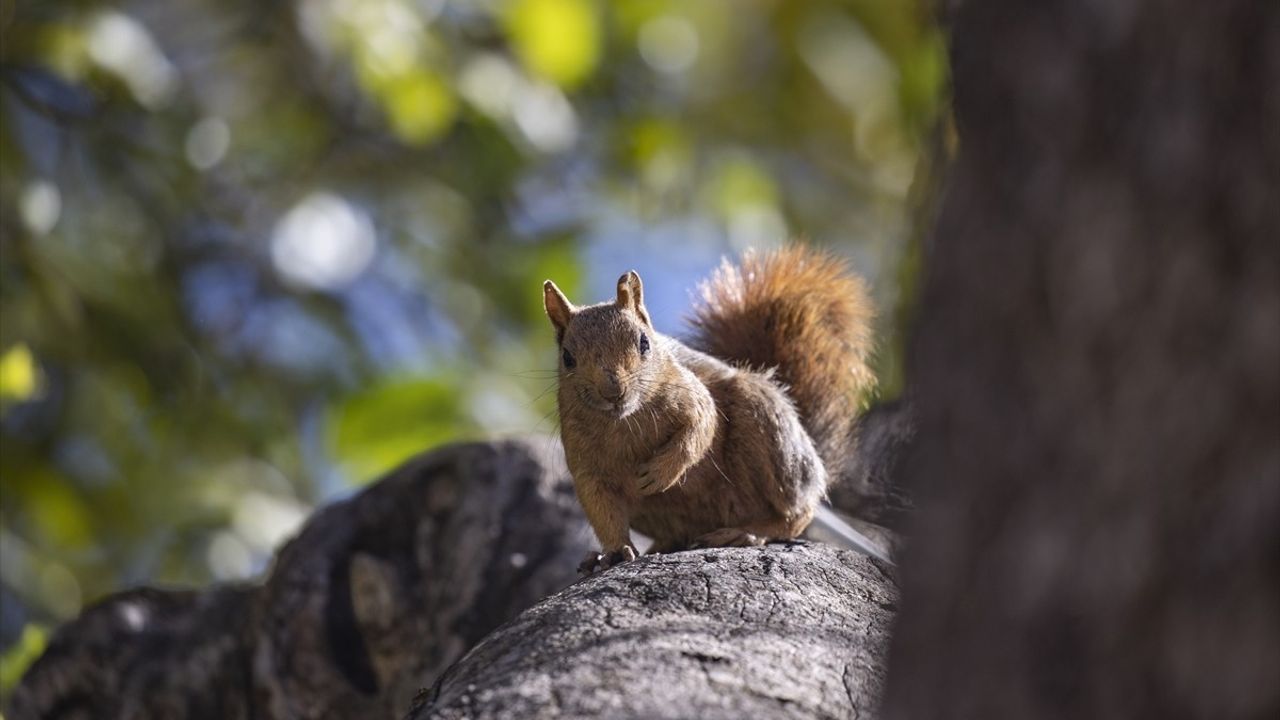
{"x": 609, "y": 449}
{"x": 760, "y": 463}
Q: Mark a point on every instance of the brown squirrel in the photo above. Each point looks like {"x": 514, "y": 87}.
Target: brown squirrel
{"x": 726, "y": 441}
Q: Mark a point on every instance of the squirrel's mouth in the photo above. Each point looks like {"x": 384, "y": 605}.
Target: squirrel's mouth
{"x": 619, "y": 408}
{"x": 593, "y": 400}
{"x": 624, "y": 407}
{"x": 616, "y": 409}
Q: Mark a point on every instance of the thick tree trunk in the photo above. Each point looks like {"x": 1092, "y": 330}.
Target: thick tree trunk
{"x": 784, "y": 631}
{"x": 1097, "y": 370}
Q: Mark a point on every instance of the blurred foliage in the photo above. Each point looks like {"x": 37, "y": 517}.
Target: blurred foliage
{"x": 19, "y": 377}
{"x": 19, "y": 655}
{"x": 376, "y": 428}
{"x": 255, "y": 253}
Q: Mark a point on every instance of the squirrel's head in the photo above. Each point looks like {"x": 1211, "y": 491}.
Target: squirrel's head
{"x": 609, "y": 353}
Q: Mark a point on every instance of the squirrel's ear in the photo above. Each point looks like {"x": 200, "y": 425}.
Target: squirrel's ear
{"x": 631, "y": 295}
{"x": 559, "y": 309}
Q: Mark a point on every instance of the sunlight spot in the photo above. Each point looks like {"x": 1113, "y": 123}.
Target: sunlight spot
{"x": 207, "y": 143}
{"x": 546, "y": 118}
{"x": 391, "y": 49}
{"x": 857, "y": 72}
{"x": 40, "y": 206}
{"x": 756, "y": 226}
{"x": 264, "y": 521}
{"x": 420, "y": 106}
{"x": 669, "y": 44}
{"x": 847, "y": 61}
{"x": 489, "y": 83}
{"x": 122, "y": 45}
{"x": 324, "y": 242}
{"x": 558, "y": 40}
{"x": 20, "y": 377}
{"x": 133, "y": 615}
{"x": 493, "y": 406}
{"x": 229, "y": 558}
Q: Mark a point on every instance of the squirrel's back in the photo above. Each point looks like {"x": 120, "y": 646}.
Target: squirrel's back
{"x": 800, "y": 311}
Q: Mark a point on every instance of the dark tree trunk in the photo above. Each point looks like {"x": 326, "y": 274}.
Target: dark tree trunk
{"x": 1097, "y": 369}
{"x": 784, "y": 631}
{"x": 147, "y": 653}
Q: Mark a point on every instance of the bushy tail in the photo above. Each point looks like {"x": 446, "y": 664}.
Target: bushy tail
{"x": 801, "y": 311}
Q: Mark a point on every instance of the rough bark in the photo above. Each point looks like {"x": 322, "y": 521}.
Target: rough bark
{"x": 147, "y": 653}
{"x": 378, "y": 594}
{"x": 371, "y": 600}
{"x": 870, "y": 488}
{"x": 1097, "y": 372}
{"x": 783, "y": 631}
{"x": 374, "y": 598}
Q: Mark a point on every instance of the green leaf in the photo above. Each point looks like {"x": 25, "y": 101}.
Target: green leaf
{"x": 15, "y": 661}
{"x": 376, "y": 429}
{"x": 20, "y": 377}
{"x": 558, "y": 40}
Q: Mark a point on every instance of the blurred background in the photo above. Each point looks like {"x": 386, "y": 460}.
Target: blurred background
{"x": 255, "y": 254}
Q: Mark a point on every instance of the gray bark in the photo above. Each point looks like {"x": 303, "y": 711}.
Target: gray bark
{"x": 378, "y": 594}
{"x": 1097, "y": 372}
{"x": 783, "y": 631}
{"x": 147, "y": 653}
{"x": 373, "y": 599}
{"x": 869, "y": 493}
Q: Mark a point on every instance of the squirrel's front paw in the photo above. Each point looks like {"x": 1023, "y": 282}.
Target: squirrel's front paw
{"x": 650, "y": 479}
{"x": 603, "y": 561}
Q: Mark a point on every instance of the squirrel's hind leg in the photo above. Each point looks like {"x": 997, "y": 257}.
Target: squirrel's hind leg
{"x": 729, "y": 537}
{"x": 752, "y": 535}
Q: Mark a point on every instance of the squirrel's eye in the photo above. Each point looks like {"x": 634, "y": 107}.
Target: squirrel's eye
{"x": 568, "y": 359}
{"x": 644, "y": 344}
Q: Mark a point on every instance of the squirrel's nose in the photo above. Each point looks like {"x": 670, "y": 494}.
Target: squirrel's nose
{"x": 610, "y": 389}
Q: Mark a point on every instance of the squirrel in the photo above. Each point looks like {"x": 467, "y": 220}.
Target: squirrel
{"x": 730, "y": 439}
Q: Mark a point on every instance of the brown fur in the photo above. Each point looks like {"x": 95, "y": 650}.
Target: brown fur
{"x": 802, "y": 312}
{"x": 689, "y": 449}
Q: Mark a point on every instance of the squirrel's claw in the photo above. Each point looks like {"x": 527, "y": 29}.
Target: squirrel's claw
{"x": 603, "y": 561}
{"x": 650, "y": 482}
{"x": 590, "y": 563}
{"x": 646, "y": 479}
